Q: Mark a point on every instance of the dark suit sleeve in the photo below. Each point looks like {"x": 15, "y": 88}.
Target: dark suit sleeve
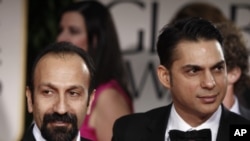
{"x": 116, "y": 128}
{"x": 123, "y": 128}
{"x": 130, "y": 128}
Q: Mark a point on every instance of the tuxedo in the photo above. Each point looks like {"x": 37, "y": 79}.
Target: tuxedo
{"x": 28, "y": 136}
{"x": 151, "y": 125}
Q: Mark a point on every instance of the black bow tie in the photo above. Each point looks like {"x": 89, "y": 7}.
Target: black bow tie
{"x": 195, "y": 135}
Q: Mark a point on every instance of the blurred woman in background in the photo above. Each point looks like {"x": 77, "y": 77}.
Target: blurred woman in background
{"x": 89, "y": 25}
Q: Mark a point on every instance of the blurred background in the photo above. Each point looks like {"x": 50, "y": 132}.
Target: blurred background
{"x": 26, "y": 26}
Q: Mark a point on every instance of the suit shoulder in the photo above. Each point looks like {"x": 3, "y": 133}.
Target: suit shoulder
{"x": 157, "y": 111}
{"x": 143, "y": 117}
{"x": 234, "y": 118}
{"x": 239, "y": 119}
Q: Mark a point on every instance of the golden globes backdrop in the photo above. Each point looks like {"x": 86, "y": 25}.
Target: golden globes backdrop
{"x": 12, "y": 64}
{"x": 138, "y": 23}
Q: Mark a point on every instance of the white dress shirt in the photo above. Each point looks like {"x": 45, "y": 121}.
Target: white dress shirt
{"x": 38, "y": 136}
{"x": 235, "y": 108}
{"x": 177, "y": 123}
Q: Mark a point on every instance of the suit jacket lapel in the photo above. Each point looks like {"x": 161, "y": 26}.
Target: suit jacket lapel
{"x": 28, "y": 136}
{"x": 158, "y": 123}
{"x": 223, "y": 125}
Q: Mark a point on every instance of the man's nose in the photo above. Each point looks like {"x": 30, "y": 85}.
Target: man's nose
{"x": 60, "y": 106}
{"x": 208, "y": 80}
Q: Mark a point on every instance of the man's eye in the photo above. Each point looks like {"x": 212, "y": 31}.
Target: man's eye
{"x": 193, "y": 71}
{"x": 73, "y": 93}
{"x": 47, "y": 92}
{"x": 219, "y": 68}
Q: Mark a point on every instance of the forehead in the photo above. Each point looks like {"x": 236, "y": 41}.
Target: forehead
{"x": 62, "y": 67}
{"x": 199, "y": 52}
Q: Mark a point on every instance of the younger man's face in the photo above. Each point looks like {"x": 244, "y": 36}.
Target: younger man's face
{"x": 197, "y": 79}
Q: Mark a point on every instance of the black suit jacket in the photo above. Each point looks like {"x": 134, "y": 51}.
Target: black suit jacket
{"x": 28, "y": 136}
{"x": 151, "y": 126}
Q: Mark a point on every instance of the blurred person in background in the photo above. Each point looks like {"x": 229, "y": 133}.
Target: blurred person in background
{"x": 236, "y": 56}
{"x": 200, "y": 9}
{"x": 89, "y": 25}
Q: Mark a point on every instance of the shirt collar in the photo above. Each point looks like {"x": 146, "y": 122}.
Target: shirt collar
{"x": 38, "y": 136}
{"x": 176, "y": 122}
{"x": 235, "y": 108}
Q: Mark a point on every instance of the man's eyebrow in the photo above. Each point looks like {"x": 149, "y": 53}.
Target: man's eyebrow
{"x": 191, "y": 66}
{"x": 54, "y": 87}
{"x": 47, "y": 85}
{"x": 220, "y": 63}
{"x": 76, "y": 87}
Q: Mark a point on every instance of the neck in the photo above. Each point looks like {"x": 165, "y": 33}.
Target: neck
{"x": 229, "y": 98}
{"x": 194, "y": 119}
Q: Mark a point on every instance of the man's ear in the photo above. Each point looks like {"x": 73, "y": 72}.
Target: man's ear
{"x": 91, "y": 99}
{"x": 233, "y": 75}
{"x": 29, "y": 99}
{"x": 164, "y": 76}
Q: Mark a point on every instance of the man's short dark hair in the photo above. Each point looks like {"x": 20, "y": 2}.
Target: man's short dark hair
{"x": 191, "y": 29}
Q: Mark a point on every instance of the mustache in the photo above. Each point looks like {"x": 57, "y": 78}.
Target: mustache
{"x": 55, "y": 117}
{"x": 66, "y": 133}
